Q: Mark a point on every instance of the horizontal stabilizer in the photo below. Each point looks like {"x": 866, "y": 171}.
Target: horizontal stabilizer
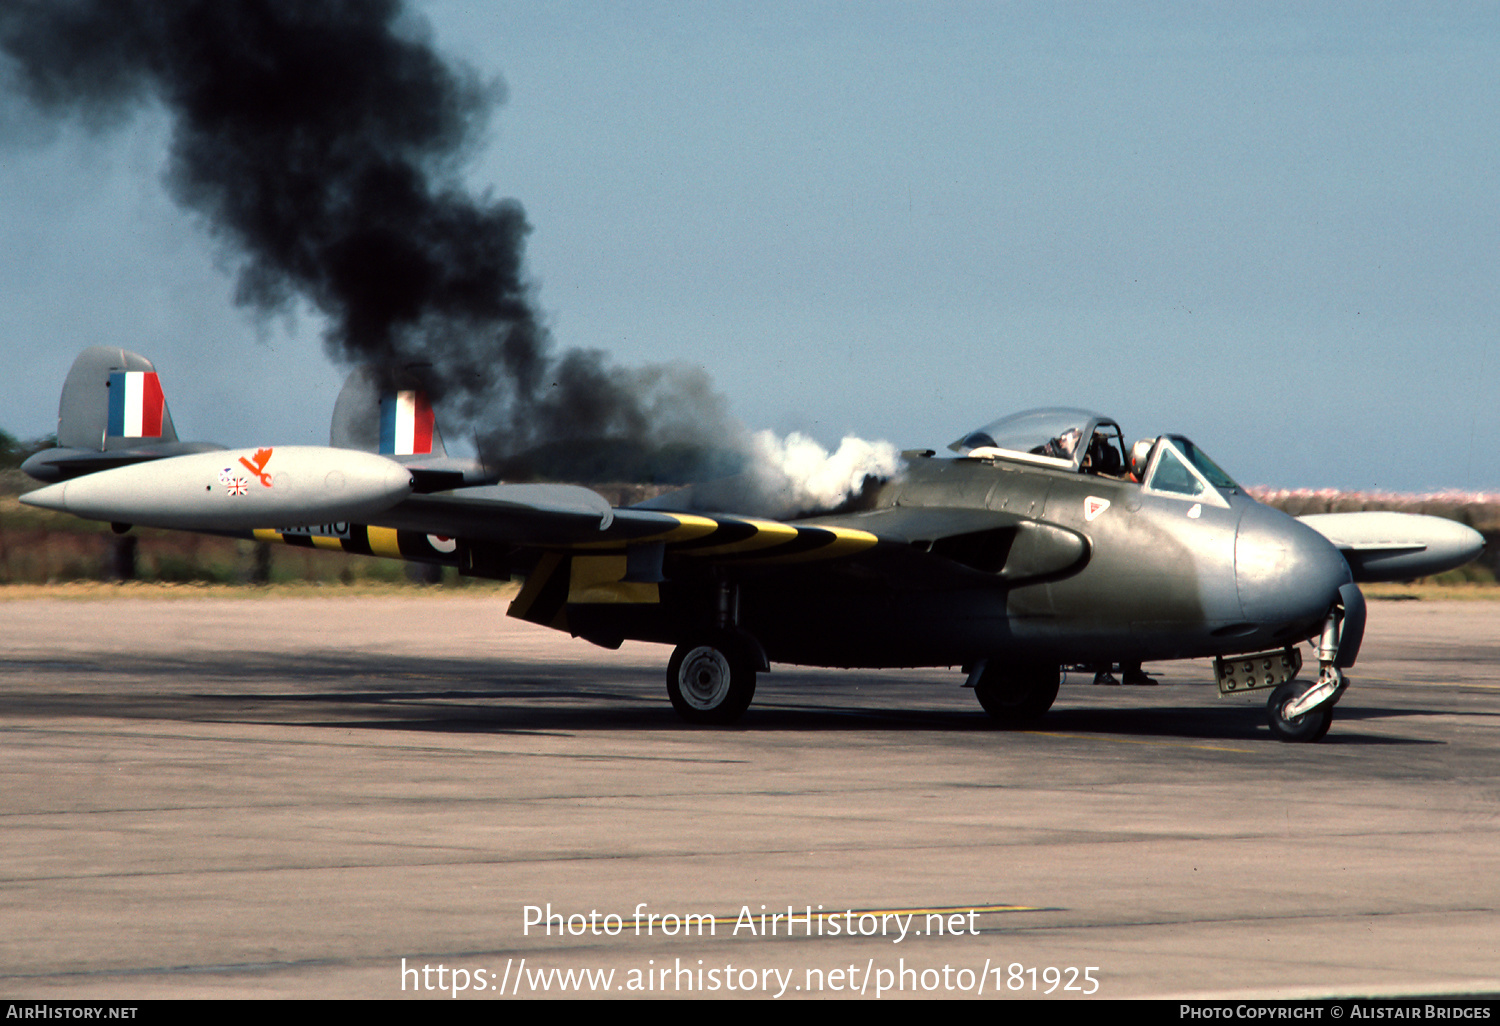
{"x": 51, "y": 465}
{"x": 557, "y": 514}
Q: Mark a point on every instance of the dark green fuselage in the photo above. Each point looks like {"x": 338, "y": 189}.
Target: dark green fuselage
{"x": 1147, "y": 577}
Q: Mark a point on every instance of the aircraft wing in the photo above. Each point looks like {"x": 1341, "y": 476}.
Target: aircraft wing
{"x": 569, "y": 518}
{"x": 577, "y": 553}
{"x": 550, "y": 533}
{"x": 572, "y": 519}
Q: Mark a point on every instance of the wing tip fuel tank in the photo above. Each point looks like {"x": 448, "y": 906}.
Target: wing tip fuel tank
{"x": 235, "y": 489}
{"x": 1391, "y": 546}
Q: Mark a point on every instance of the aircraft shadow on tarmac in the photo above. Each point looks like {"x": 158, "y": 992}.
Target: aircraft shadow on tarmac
{"x": 489, "y": 696}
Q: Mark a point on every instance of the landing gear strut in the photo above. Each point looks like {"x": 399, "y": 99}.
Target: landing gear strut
{"x": 711, "y": 678}
{"x": 1304, "y": 712}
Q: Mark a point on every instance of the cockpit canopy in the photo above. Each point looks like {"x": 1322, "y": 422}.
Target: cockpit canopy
{"x": 1057, "y": 437}
{"x": 1178, "y": 467}
{"x": 1085, "y": 442}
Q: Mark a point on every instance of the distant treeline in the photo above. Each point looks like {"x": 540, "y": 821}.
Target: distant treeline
{"x": 1479, "y": 510}
{"x": 14, "y": 451}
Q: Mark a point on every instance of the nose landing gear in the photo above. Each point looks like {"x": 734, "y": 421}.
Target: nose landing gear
{"x": 1304, "y": 712}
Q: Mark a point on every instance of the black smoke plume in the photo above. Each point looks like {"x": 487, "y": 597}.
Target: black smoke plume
{"x": 323, "y": 140}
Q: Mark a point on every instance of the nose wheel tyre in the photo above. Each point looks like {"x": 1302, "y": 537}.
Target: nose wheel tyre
{"x": 1017, "y": 694}
{"x": 1308, "y": 727}
{"x": 711, "y": 681}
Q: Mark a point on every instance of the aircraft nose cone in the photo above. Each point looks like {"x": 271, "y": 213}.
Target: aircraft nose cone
{"x": 1286, "y": 572}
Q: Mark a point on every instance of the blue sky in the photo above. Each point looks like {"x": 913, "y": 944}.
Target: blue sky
{"x": 1273, "y": 228}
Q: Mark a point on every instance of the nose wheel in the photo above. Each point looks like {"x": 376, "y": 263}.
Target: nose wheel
{"x": 1303, "y": 711}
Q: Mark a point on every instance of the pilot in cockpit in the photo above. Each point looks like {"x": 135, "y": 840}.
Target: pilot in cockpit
{"x": 1102, "y": 457}
{"x": 1060, "y": 447}
{"x": 1140, "y": 459}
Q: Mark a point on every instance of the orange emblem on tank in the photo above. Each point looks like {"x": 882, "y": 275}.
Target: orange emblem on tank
{"x": 258, "y": 468}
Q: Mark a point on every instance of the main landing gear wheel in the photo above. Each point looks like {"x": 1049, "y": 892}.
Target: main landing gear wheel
{"x": 711, "y": 681}
{"x": 1307, "y": 727}
{"x": 1016, "y": 694}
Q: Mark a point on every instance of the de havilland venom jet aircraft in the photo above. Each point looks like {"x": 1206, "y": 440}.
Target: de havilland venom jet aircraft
{"x": 1045, "y": 543}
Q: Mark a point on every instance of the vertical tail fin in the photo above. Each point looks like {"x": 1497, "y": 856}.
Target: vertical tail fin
{"x": 407, "y": 425}
{"x": 112, "y": 399}
{"x": 393, "y": 417}
{"x": 112, "y": 413}
{"x": 394, "y": 420}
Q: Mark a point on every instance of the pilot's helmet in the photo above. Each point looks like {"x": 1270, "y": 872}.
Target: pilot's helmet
{"x": 1140, "y": 457}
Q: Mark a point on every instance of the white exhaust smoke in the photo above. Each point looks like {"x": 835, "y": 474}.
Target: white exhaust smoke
{"x": 795, "y": 474}
{"x": 791, "y": 477}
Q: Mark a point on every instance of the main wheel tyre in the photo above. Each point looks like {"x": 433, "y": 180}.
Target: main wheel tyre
{"x": 1307, "y": 727}
{"x": 1017, "y": 694}
{"x": 710, "y": 682}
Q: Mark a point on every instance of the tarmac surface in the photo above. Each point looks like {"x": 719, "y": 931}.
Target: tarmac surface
{"x": 287, "y": 797}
